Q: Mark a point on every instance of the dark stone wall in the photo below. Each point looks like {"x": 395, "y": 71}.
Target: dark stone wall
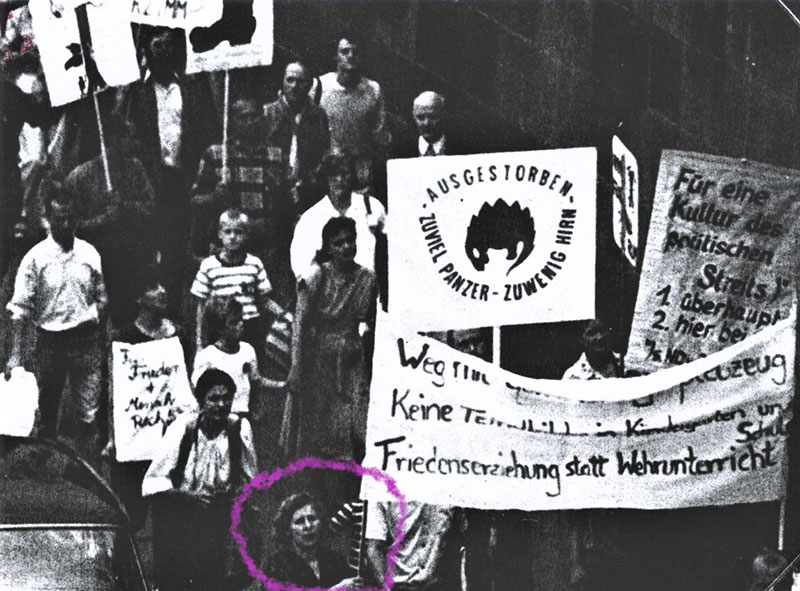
{"x": 709, "y": 76}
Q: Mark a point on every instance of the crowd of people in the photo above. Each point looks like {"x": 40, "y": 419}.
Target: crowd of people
{"x": 220, "y": 246}
{"x": 166, "y": 232}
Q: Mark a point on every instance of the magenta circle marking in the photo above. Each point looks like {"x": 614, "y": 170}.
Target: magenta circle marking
{"x": 266, "y": 479}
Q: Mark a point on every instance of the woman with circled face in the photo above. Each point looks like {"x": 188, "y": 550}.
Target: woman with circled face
{"x": 298, "y": 554}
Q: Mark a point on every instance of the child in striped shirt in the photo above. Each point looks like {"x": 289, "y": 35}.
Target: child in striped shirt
{"x": 235, "y": 272}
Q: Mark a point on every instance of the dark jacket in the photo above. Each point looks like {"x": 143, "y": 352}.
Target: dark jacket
{"x": 200, "y": 124}
{"x": 288, "y": 567}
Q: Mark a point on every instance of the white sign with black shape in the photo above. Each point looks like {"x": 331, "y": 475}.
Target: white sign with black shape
{"x": 492, "y": 239}
{"x": 85, "y": 47}
{"x": 176, "y": 13}
{"x": 240, "y": 38}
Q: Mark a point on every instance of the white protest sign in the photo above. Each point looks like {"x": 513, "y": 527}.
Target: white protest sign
{"x": 720, "y": 258}
{"x": 241, "y": 38}
{"x": 176, "y": 13}
{"x": 151, "y": 388}
{"x": 454, "y": 430}
{"x": 19, "y": 399}
{"x": 625, "y": 215}
{"x": 492, "y": 239}
{"x": 85, "y": 49}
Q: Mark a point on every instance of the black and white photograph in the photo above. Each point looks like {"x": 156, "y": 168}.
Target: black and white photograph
{"x": 411, "y": 295}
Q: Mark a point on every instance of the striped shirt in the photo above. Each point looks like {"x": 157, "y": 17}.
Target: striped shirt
{"x": 255, "y": 177}
{"x": 244, "y": 281}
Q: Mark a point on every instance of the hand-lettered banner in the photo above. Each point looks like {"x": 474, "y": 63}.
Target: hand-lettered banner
{"x": 625, "y": 220}
{"x": 151, "y": 388}
{"x": 720, "y": 258}
{"x": 452, "y": 429}
{"x": 492, "y": 239}
{"x": 241, "y": 38}
{"x": 85, "y": 47}
{"x": 176, "y": 13}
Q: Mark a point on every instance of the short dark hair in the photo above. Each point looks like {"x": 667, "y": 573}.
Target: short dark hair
{"x": 333, "y": 227}
{"x": 211, "y": 378}
{"x": 333, "y": 161}
{"x": 281, "y": 533}
{"x": 217, "y": 310}
{"x": 352, "y": 36}
{"x": 52, "y": 189}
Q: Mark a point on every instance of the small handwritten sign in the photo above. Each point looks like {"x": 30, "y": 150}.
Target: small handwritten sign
{"x": 151, "y": 388}
{"x": 452, "y": 429}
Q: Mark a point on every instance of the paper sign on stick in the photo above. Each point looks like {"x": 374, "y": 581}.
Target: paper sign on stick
{"x": 241, "y": 38}
{"x": 452, "y": 429}
{"x": 176, "y": 13}
{"x": 151, "y": 388}
{"x": 84, "y": 47}
{"x": 720, "y": 259}
{"x": 492, "y": 239}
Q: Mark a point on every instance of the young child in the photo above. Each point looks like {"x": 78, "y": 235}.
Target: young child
{"x": 199, "y": 470}
{"x": 151, "y": 324}
{"x": 223, "y": 318}
{"x": 235, "y": 272}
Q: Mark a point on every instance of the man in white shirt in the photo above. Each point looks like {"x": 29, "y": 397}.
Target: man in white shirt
{"x": 429, "y": 557}
{"x": 59, "y": 288}
{"x": 367, "y": 212}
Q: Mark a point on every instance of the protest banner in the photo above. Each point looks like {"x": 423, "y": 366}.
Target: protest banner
{"x": 625, "y": 215}
{"x": 720, "y": 258}
{"x": 492, "y": 239}
{"x": 176, "y": 13}
{"x": 84, "y": 47}
{"x": 453, "y": 429}
{"x": 241, "y": 38}
{"x": 150, "y": 389}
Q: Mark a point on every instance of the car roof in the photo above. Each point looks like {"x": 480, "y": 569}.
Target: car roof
{"x": 45, "y": 483}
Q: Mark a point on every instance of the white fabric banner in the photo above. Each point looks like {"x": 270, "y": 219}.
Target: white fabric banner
{"x": 452, "y": 429}
{"x": 241, "y": 38}
{"x": 111, "y": 56}
{"x": 492, "y": 239}
{"x": 176, "y": 13}
{"x": 150, "y": 389}
{"x": 720, "y": 262}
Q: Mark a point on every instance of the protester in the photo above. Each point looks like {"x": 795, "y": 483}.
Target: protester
{"x": 59, "y": 288}
{"x": 355, "y": 109}
{"x": 172, "y": 118}
{"x": 598, "y": 360}
{"x": 235, "y": 272}
{"x": 199, "y": 469}
{"x": 150, "y": 324}
{"x": 299, "y": 555}
{"x": 251, "y": 182}
{"x": 117, "y": 222}
{"x": 338, "y": 174}
{"x": 595, "y": 541}
{"x": 767, "y": 566}
{"x": 335, "y": 306}
{"x": 229, "y": 354}
{"x": 299, "y": 129}
{"x": 429, "y": 555}
{"x": 16, "y": 109}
